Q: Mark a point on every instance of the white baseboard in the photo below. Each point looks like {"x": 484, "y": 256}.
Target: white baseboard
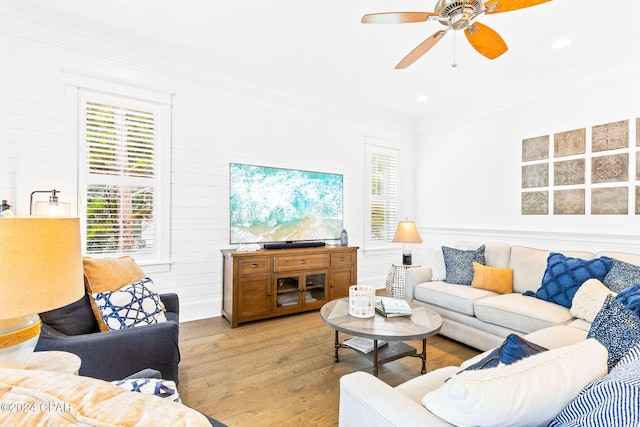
{"x": 201, "y": 309}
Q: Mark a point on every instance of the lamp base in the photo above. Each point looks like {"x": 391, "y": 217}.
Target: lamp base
{"x": 18, "y": 339}
{"x": 406, "y": 259}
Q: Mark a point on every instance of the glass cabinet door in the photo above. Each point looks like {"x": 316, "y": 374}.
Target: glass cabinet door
{"x": 288, "y": 291}
{"x": 315, "y": 288}
{"x": 297, "y": 290}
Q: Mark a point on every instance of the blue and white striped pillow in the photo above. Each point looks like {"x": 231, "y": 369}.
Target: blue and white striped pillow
{"x": 611, "y": 401}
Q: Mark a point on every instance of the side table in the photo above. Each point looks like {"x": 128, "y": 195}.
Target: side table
{"x": 395, "y": 280}
{"x": 54, "y": 361}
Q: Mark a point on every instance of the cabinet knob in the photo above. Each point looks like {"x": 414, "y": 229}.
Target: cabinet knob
{"x": 341, "y": 258}
{"x": 254, "y": 265}
{"x": 269, "y": 294}
{"x": 303, "y": 261}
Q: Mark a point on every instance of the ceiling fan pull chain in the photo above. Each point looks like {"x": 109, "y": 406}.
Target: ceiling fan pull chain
{"x": 454, "y": 65}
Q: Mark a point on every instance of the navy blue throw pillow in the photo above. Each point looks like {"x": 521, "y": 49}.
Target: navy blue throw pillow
{"x": 458, "y": 264}
{"x": 513, "y": 348}
{"x": 630, "y": 297}
{"x": 564, "y": 275}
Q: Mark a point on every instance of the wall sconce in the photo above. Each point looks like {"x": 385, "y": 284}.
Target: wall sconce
{"x": 51, "y": 208}
{"x": 406, "y": 233}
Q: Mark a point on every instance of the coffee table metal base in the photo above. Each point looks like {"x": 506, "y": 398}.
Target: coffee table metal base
{"x": 392, "y": 351}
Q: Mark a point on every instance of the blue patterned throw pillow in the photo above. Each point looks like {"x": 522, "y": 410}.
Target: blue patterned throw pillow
{"x": 612, "y": 401}
{"x": 157, "y": 387}
{"x": 630, "y": 297}
{"x": 513, "y": 348}
{"x": 132, "y": 305}
{"x": 617, "y": 328}
{"x": 621, "y": 275}
{"x": 459, "y": 264}
{"x": 564, "y": 275}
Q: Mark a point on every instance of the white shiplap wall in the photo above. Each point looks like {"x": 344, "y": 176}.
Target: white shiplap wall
{"x": 219, "y": 115}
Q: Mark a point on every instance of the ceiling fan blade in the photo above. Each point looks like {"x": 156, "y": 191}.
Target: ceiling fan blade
{"x": 498, "y": 6}
{"x": 396, "y": 17}
{"x": 421, "y": 49}
{"x": 485, "y": 40}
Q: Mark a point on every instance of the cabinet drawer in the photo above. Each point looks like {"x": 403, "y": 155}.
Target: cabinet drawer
{"x": 301, "y": 262}
{"x": 342, "y": 259}
{"x": 257, "y": 265}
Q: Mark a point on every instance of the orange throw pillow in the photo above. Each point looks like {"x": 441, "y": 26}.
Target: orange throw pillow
{"x": 108, "y": 274}
{"x": 494, "y": 279}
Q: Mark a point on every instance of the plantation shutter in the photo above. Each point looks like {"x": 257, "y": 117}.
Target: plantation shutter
{"x": 383, "y": 197}
{"x": 120, "y": 159}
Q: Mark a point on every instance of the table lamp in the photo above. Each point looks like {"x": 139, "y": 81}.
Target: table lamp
{"x": 53, "y": 207}
{"x": 40, "y": 270}
{"x": 406, "y": 233}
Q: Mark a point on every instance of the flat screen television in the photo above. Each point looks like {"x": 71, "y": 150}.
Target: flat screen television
{"x": 269, "y": 204}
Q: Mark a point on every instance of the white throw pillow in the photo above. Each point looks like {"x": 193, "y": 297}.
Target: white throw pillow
{"x": 529, "y": 392}
{"x": 435, "y": 259}
{"x": 588, "y": 300}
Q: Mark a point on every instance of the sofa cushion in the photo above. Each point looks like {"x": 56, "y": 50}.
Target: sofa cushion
{"x": 553, "y": 378}
{"x": 495, "y": 254}
{"x": 416, "y": 387}
{"x": 499, "y": 280}
{"x": 521, "y": 313}
{"x": 621, "y": 275}
{"x": 588, "y": 300}
{"x": 132, "y": 305}
{"x": 435, "y": 259}
{"x": 617, "y": 328}
{"x": 530, "y": 264}
{"x": 564, "y": 275}
{"x": 513, "y": 348}
{"x": 618, "y": 393}
{"x": 74, "y": 319}
{"x": 453, "y": 297}
{"x": 459, "y": 264}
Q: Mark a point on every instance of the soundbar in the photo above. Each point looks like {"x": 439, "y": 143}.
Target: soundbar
{"x": 293, "y": 245}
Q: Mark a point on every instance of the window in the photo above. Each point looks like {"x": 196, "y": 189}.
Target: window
{"x": 123, "y": 184}
{"x": 382, "y": 178}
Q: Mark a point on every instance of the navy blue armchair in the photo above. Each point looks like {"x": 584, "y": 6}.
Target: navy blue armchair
{"x": 117, "y": 354}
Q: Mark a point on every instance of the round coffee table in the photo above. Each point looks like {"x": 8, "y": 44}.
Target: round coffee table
{"x": 422, "y": 324}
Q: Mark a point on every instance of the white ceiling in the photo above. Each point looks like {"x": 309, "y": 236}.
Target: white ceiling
{"x": 322, "y": 45}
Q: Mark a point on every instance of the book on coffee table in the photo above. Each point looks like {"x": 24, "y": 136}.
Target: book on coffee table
{"x": 392, "y": 307}
{"x": 364, "y": 345}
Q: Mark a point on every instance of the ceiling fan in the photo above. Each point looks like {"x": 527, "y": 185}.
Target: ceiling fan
{"x": 455, "y": 15}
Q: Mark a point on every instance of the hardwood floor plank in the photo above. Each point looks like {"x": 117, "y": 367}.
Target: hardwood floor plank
{"x": 281, "y": 371}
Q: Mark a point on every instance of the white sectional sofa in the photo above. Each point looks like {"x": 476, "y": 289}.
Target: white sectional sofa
{"x": 483, "y": 319}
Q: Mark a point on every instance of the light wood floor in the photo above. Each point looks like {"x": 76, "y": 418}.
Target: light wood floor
{"x": 281, "y": 372}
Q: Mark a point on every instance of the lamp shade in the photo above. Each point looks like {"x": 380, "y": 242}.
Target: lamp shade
{"x": 40, "y": 264}
{"x": 407, "y": 233}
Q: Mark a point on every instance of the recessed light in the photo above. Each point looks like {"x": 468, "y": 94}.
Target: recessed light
{"x": 560, "y": 43}
{"x": 422, "y": 98}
